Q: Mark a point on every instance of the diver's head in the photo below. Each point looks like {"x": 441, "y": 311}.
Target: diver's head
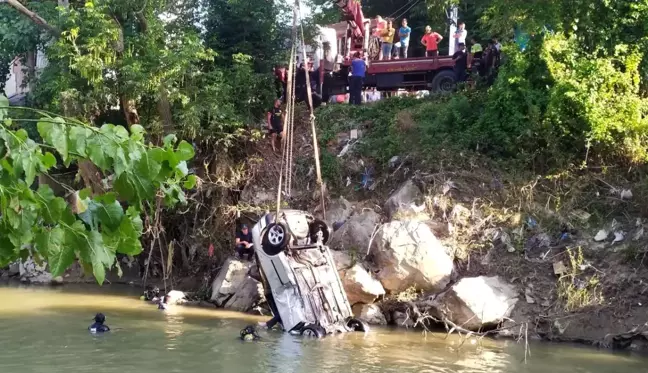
{"x": 100, "y": 318}
{"x": 249, "y": 333}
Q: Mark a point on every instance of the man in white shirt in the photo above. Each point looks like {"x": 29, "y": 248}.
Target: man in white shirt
{"x": 460, "y": 35}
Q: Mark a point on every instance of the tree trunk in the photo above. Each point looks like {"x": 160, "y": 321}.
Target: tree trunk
{"x": 30, "y": 64}
{"x": 164, "y": 109}
{"x": 33, "y": 16}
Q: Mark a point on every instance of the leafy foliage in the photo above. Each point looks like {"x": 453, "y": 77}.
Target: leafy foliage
{"x": 91, "y": 228}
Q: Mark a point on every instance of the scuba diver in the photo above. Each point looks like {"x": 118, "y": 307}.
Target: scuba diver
{"x": 98, "y": 326}
{"x": 163, "y": 303}
{"x": 249, "y": 333}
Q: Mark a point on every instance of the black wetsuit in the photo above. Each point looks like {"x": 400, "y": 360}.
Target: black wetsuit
{"x": 98, "y": 328}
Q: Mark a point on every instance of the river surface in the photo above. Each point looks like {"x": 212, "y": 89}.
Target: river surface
{"x": 44, "y": 330}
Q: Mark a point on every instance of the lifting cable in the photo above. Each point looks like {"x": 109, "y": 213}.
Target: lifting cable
{"x": 289, "y": 98}
{"x": 287, "y": 147}
{"x": 309, "y": 95}
{"x": 408, "y": 9}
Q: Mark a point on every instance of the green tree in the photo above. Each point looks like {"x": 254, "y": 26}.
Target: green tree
{"x": 89, "y": 227}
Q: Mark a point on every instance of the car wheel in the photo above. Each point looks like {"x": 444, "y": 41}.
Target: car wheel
{"x": 275, "y": 238}
{"x": 313, "y": 331}
{"x": 315, "y": 228}
{"x": 358, "y": 325}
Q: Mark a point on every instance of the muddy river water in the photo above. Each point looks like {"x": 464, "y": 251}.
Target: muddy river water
{"x": 44, "y": 330}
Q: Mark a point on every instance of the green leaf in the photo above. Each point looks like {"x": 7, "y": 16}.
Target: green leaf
{"x": 185, "y": 151}
{"x": 110, "y": 214}
{"x": 190, "y": 183}
{"x": 97, "y": 153}
{"x": 50, "y": 244}
{"x": 29, "y": 164}
{"x": 4, "y": 106}
{"x": 85, "y": 193}
{"x": 49, "y": 160}
{"x": 147, "y": 166}
{"x": 137, "y": 132}
{"x": 54, "y": 132}
{"x": 182, "y": 168}
{"x": 169, "y": 140}
{"x": 101, "y": 256}
{"x": 78, "y": 139}
{"x": 52, "y": 207}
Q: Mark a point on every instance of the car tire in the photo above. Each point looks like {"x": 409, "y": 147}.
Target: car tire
{"x": 444, "y": 82}
{"x": 275, "y": 239}
{"x": 358, "y": 325}
{"x": 313, "y": 331}
{"x": 315, "y": 227}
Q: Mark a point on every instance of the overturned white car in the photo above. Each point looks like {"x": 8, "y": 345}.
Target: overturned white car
{"x": 299, "y": 275}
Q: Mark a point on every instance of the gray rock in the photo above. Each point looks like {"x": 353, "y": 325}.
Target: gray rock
{"x": 338, "y": 211}
{"x": 409, "y": 255}
{"x": 407, "y": 203}
{"x": 342, "y": 260}
{"x": 360, "y": 285}
{"x": 371, "y": 314}
{"x": 356, "y": 233}
{"x": 234, "y": 288}
{"x": 476, "y": 302}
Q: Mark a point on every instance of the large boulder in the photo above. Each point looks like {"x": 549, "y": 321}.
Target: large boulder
{"x": 234, "y": 288}
{"x": 356, "y": 233}
{"x": 342, "y": 260}
{"x": 407, "y": 203}
{"x": 337, "y": 213}
{"x": 409, "y": 255}
{"x": 360, "y": 285}
{"x": 477, "y": 302}
{"x": 370, "y": 313}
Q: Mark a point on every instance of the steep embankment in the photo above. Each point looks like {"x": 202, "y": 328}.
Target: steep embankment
{"x": 561, "y": 252}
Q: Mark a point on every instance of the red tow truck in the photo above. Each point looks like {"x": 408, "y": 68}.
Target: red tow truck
{"x": 335, "y": 53}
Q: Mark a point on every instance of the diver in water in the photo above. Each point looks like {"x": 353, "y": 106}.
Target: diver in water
{"x": 163, "y": 303}
{"x": 98, "y": 326}
{"x": 249, "y": 333}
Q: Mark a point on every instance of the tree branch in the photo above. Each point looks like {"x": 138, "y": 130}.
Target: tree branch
{"x": 31, "y": 15}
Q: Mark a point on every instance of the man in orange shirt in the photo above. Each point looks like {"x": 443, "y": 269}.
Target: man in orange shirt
{"x": 431, "y": 41}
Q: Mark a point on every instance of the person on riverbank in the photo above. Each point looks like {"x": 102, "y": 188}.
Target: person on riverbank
{"x": 275, "y": 124}
{"x": 404, "y": 34}
{"x": 356, "y": 80}
{"x": 460, "y": 59}
{"x": 460, "y": 35}
{"x": 387, "y": 40}
{"x": 98, "y": 326}
{"x": 244, "y": 243}
{"x": 431, "y": 41}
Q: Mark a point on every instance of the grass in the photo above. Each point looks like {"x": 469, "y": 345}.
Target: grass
{"x": 576, "y": 290}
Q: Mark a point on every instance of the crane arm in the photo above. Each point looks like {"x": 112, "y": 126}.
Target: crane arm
{"x": 352, "y": 12}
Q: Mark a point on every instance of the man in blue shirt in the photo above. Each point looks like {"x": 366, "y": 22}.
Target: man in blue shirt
{"x": 356, "y": 81}
{"x": 404, "y": 34}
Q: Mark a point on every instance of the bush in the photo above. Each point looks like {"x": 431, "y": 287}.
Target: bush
{"x": 550, "y": 107}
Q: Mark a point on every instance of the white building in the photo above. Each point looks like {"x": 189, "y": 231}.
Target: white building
{"x": 16, "y": 88}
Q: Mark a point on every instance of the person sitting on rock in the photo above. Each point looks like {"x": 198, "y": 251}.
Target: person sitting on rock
{"x": 244, "y": 243}
{"x": 98, "y": 326}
